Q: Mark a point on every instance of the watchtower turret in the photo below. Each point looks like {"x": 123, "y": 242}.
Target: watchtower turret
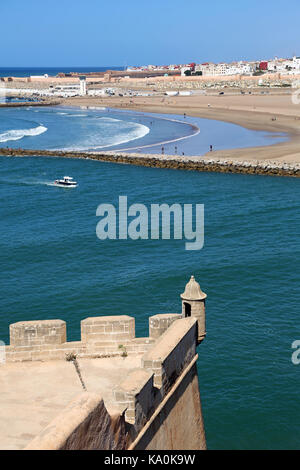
{"x": 193, "y": 305}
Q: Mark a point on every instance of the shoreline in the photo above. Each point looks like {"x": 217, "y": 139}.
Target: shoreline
{"x": 244, "y": 111}
{"x": 200, "y": 164}
{"x": 282, "y": 159}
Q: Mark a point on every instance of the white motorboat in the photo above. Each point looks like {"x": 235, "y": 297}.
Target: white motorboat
{"x": 66, "y": 182}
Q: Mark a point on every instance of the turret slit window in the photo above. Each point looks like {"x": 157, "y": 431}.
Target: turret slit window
{"x": 187, "y": 309}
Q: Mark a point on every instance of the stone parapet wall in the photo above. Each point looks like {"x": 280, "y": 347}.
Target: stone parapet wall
{"x": 147, "y": 395}
{"x": 161, "y": 366}
{"x": 38, "y": 333}
{"x": 158, "y": 324}
{"x": 177, "y": 422}
{"x": 136, "y": 394}
{"x": 147, "y": 409}
{"x": 103, "y": 329}
{"x": 172, "y": 352}
{"x": 101, "y": 337}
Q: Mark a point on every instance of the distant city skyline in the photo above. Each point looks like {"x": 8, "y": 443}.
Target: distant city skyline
{"x": 69, "y": 33}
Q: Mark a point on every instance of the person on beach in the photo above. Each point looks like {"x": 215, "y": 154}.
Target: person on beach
{"x": 175, "y": 150}
{"x": 162, "y": 150}
{"x": 210, "y": 148}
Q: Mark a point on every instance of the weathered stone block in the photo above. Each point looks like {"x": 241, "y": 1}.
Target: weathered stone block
{"x": 103, "y": 329}
{"x": 158, "y": 324}
{"x": 39, "y": 332}
{"x": 171, "y": 352}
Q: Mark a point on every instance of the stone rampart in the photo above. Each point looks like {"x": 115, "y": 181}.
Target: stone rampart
{"x": 171, "y": 352}
{"x": 145, "y": 388}
{"x": 100, "y": 337}
{"x": 144, "y": 399}
{"x": 158, "y": 324}
{"x": 146, "y": 407}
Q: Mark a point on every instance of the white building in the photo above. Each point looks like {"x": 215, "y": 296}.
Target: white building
{"x": 82, "y": 91}
{"x": 285, "y": 66}
{"x": 184, "y": 69}
{"x": 223, "y": 69}
{"x": 296, "y": 63}
{"x": 206, "y": 69}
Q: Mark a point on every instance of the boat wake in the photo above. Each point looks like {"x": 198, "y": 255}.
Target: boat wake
{"x": 27, "y": 182}
{"x": 18, "y": 134}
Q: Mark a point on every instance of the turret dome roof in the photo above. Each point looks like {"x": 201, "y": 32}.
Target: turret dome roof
{"x": 193, "y": 291}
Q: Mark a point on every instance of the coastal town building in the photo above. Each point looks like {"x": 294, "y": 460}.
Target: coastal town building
{"x": 166, "y": 79}
{"x": 82, "y": 89}
{"x": 290, "y": 66}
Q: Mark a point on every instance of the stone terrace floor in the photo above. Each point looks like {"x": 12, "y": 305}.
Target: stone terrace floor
{"x": 34, "y": 393}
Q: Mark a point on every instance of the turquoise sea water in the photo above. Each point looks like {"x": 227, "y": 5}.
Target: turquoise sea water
{"x": 54, "y": 266}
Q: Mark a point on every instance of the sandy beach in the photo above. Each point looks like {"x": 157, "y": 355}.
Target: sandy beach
{"x": 271, "y": 112}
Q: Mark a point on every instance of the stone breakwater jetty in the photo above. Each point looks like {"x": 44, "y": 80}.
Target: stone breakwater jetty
{"x": 203, "y": 163}
{"x": 25, "y": 104}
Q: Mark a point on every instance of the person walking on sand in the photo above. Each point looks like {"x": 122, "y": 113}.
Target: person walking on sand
{"x": 210, "y": 148}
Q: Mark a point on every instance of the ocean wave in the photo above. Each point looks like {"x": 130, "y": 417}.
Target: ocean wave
{"x": 109, "y": 119}
{"x": 97, "y": 108}
{"x": 17, "y": 134}
{"x": 138, "y": 132}
{"x": 77, "y": 115}
{"x": 70, "y": 115}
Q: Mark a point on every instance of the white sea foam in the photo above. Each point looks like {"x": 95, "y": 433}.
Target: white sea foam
{"x": 77, "y": 115}
{"x": 107, "y": 119}
{"x": 27, "y": 182}
{"x": 137, "y": 133}
{"x": 100, "y": 108}
{"x": 17, "y": 134}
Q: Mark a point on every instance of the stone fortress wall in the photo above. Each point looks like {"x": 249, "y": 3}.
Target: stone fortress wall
{"x": 160, "y": 83}
{"x": 150, "y": 400}
{"x": 100, "y": 337}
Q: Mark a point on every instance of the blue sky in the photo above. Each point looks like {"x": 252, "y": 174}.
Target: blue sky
{"x": 136, "y": 32}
